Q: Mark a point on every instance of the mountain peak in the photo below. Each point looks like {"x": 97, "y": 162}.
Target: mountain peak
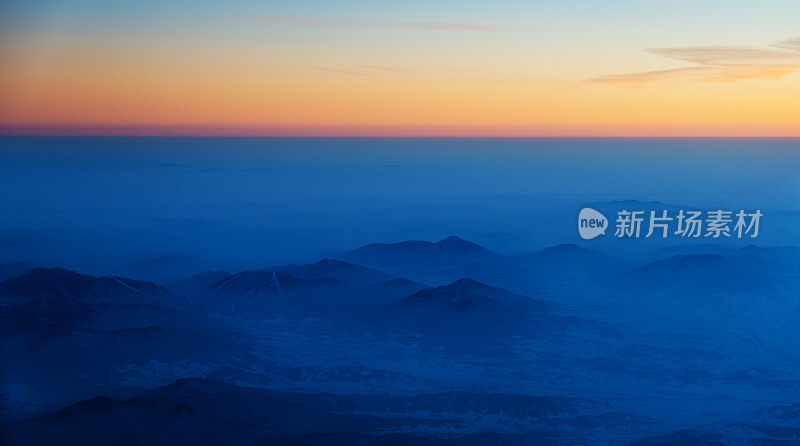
{"x": 694, "y": 263}
{"x": 458, "y": 242}
{"x": 452, "y": 239}
{"x": 62, "y": 283}
{"x": 327, "y": 261}
{"x": 97, "y": 403}
{"x": 337, "y": 269}
{"x": 41, "y": 282}
{"x": 467, "y": 283}
{"x": 53, "y": 272}
{"x": 462, "y": 293}
{"x": 447, "y": 296}
{"x": 695, "y": 258}
{"x": 417, "y": 259}
{"x": 569, "y": 252}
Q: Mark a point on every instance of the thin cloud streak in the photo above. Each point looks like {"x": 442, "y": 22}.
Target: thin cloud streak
{"x": 716, "y": 64}
{"x": 791, "y": 44}
{"x": 697, "y": 74}
{"x": 337, "y": 71}
{"x": 646, "y": 77}
{"x": 426, "y": 25}
{"x": 726, "y": 55}
{"x": 390, "y": 68}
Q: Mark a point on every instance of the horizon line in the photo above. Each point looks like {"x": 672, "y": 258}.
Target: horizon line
{"x": 611, "y": 131}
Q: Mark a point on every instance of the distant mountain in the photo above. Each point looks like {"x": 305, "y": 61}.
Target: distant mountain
{"x": 270, "y": 293}
{"x": 260, "y": 293}
{"x": 610, "y": 208}
{"x": 781, "y": 262}
{"x": 270, "y": 283}
{"x": 420, "y": 259}
{"x": 56, "y": 282}
{"x": 569, "y": 252}
{"x": 8, "y": 270}
{"x": 267, "y": 283}
{"x": 44, "y": 316}
{"x": 62, "y": 350}
{"x": 568, "y": 260}
{"x": 696, "y": 264}
{"x": 197, "y": 284}
{"x": 336, "y": 269}
{"x": 189, "y": 412}
{"x": 440, "y": 263}
{"x": 751, "y": 268}
{"x": 559, "y": 268}
{"x": 784, "y": 252}
{"x": 468, "y": 294}
{"x": 467, "y": 311}
{"x": 693, "y": 248}
{"x": 167, "y": 268}
{"x": 401, "y": 286}
{"x": 61, "y": 347}
{"x": 780, "y": 253}
{"x": 736, "y": 280}
{"x": 776, "y": 425}
{"x": 707, "y": 273}
{"x": 194, "y": 411}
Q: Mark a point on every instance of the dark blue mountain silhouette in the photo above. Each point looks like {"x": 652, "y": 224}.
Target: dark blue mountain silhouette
{"x": 416, "y": 256}
{"x": 709, "y": 273}
{"x": 714, "y": 267}
{"x": 263, "y": 293}
{"x": 167, "y": 269}
{"x": 404, "y": 286}
{"x": 8, "y": 270}
{"x": 557, "y": 268}
{"x": 339, "y": 327}
{"x": 781, "y": 263}
{"x": 267, "y": 293}
{"x": 56, "y": 282}
{"x": 61, "y": 348}
{"x": 468, "y": 294}
{"x": 453, "y": 258}
{"x": 213, "y": 412}
{"x": 189, "y": 411}
{"x": 467, "y": 311}
{"x": 700, "y": 264}
{"x": 336, "y": 269}
{"x": 197, "y": 284}
{"x": 566, "y": 262}
{"x": 774, "y": 425}
{"x": 609, "y": 208}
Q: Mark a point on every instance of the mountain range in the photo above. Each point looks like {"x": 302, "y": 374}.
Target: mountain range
{"x": 434, "y": 342}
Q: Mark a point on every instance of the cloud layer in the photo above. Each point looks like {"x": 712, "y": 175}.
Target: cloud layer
{"x": 716, "y": 64}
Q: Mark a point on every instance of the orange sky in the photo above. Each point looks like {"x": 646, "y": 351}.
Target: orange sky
{"x": 295, "y": 77}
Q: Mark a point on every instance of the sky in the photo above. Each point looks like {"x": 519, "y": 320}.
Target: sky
{"x": 411, "y": 68}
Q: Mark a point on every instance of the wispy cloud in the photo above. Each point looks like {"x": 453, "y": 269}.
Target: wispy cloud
{"x": 716, "y": 64}
{"x": 645, "y": 77}
{"x": 425, "y": 25}
{"x": 698, "y": 74}
{"x": 366, "y": 70}
{"x": 337, "y": 71}
{"x": 791, "y": 44}
{"x": 727, "y": 55}
{"x": 390, "y": 68}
